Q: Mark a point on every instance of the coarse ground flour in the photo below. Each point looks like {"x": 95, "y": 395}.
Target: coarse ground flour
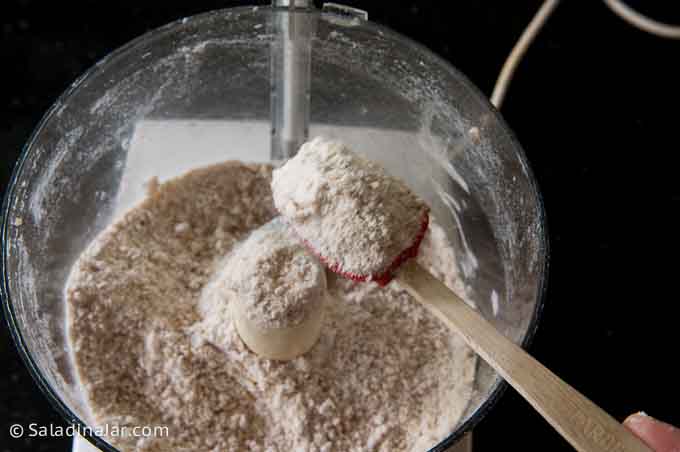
{"x": 384, "y": 376}
{"x": 274, "y": 279}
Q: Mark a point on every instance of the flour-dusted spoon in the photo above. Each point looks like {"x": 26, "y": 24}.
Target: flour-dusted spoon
{"x": 365, "y": 225}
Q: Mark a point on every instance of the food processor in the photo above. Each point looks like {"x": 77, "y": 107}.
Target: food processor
{"x": 252, "y": 83}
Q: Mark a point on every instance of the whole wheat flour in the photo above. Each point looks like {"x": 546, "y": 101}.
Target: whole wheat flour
{"x": 352, "y": 213}
{"x": 384, "y": 376}
{"x": 276, "y": 281}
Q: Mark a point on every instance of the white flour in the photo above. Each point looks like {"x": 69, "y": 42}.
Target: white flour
{"x": 348, "y": 209}
{"x": 384, "y": 376}
{"x": 274, "y": 278}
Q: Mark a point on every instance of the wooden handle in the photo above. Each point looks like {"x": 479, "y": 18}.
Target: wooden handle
{"x": 587, "y": 427}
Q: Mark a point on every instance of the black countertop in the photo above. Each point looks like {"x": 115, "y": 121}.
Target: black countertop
{"x": 594, "y": 104}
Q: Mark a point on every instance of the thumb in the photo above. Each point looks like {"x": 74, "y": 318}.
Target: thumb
{"x": 658, "y": 435}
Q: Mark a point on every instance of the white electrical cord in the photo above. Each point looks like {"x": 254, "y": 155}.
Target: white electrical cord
{"x": 519, "y": 50}
{"x": 643, "y": 22}
{"x": 625, "y": 12}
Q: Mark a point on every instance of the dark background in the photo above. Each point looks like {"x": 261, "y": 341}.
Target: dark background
{"x": 594, "y": 104}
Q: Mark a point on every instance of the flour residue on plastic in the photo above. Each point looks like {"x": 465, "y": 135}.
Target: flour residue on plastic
{"x": 49, "y": 179}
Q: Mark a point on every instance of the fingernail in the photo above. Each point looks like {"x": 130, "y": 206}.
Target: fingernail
{"x": 636, "y": 417}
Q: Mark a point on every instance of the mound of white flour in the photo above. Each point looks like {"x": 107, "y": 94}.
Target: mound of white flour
{"x": 277, "y": 282}
{"x": 354, "y": 215}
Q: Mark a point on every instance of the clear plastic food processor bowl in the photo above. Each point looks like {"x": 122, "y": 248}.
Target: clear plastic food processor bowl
{"x": 387, "y": 96}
